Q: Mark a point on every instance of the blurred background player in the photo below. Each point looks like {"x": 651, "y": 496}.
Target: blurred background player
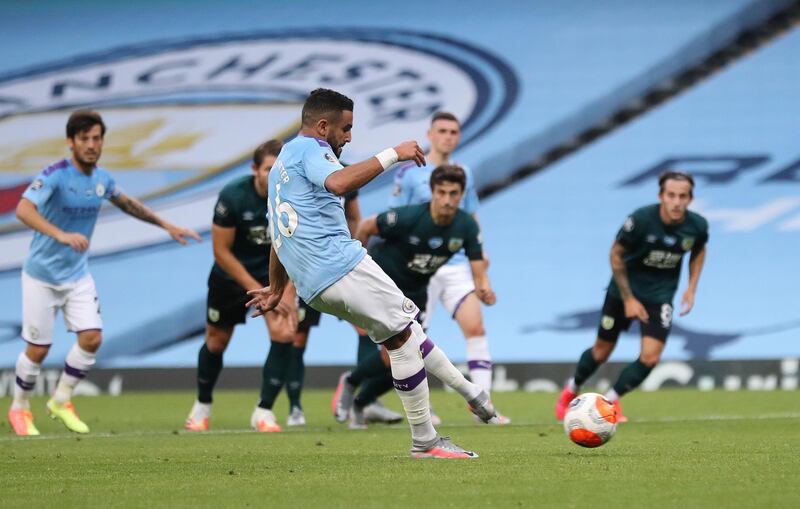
{"x": 646, "y": 262}
{"x": 309, "y": 317}
{"x": 332, "y": 272}
{"x": 452, "y": 284}
{"x": 241, "y": 242}
{"x": 61, "y": 206}
{"x": 418, "y": 240}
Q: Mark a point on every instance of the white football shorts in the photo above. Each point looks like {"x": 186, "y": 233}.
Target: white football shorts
{"x": 368, "y": 298}
{"x": 41, "y": 301}
{"x": 451, "y": 284}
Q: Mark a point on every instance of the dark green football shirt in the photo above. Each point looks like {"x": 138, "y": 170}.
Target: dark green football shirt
{"x": 239, "y": 206}
{"x": 654, "y": 252}
{"x": 416, "y": 247}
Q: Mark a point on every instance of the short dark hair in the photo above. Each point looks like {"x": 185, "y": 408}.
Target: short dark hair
{"x": 324, "y": 101}
{"x": 268, "y": 148}
{"x": 675, "y": 175}
{"x": 83, "y": 120}
{"x": 444, "y": 115}
{"x": 449, "y": 173}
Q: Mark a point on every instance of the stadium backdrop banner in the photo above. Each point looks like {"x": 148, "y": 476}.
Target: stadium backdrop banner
{"x": 188, "y": 93}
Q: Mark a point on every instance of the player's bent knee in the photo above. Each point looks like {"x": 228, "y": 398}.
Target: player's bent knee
{"x": 90, "y": 340}
{"x": 471, "y": 324}
{"x": 37, "y": 353}
{"x": 601, "y": 350}
{"x": 474, "y": 330}
{"x": 398, "y": 340}
{"x": 600, "y": 356}
{"x": 650, "y": 360}
{"x": 469, "y": 317}
{"x": 279, "y": 329}
{"x": 217, "y": 339}
{"x": 216, "y": 347}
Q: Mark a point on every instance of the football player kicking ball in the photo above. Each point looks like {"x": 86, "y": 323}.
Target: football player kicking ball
{"x": 418, "y": 240}
{"x": 332, "y": 272}
{"x": 240, "y": 240}
{"x": 646, "y": 261}
{"x": 308, "y": 318}
{"x": 61, "y": 206}
{"x": 452, "y": 284}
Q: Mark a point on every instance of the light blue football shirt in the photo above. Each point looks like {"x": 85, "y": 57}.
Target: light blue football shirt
{"x": 70, "y": 200}
{"x": 412, "y": 185}
{"x": 307, "y": 223}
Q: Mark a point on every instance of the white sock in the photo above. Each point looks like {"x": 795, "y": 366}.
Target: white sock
{"x": 200, "y": 411}
{"x": 27, "y": 371}
{"x": 572, "y": 386}
{"x": 437, "y": 364}
{"x": 411, "y": 384}
{"x": 479, "y": 362}
{"x": 76, "y": 366}
{"x": 612, "y": 395}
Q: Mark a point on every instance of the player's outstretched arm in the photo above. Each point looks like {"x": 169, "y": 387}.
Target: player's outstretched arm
{"x": 483, "y": 287}
{"x": 696, "y": 261}
{"x": 358, "y": 175}
{"x": 137, "y": 209}
{"x": 367, "y": 229}
{"x": 30, "y": 217}
{"x": 633, "y": 308}
{"x": 268, "y": 298}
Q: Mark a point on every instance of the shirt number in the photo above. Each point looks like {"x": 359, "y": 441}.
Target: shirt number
{"x": 284, "y": 218}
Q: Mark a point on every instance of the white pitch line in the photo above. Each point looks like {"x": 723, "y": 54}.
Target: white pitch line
{"x": 243, "y": 431}
{"x": 129, "y": 434}
{"x": 776, "y": 415}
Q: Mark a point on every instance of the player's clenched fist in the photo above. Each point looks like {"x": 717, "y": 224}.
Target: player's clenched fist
{"x": 486, "y": 295}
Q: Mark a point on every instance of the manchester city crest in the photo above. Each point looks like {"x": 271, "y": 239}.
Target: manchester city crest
{"x": 171, "y": 106}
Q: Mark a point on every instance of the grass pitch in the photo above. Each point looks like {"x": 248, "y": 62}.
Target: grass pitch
{"x": 681, "y": 449}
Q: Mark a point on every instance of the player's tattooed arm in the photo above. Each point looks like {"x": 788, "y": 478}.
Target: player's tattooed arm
{"x": 696, "y": 261}
{"x": 135, "y": 208}
{"x": 139, "y": 210}
{"x": 633, "y": 308}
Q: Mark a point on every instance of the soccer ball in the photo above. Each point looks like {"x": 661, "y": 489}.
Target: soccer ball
{"x": 591, "y": 420}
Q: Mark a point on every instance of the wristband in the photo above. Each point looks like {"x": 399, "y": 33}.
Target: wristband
{"x": 387, "y": 157}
